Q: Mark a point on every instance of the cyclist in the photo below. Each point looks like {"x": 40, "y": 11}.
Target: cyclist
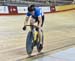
{"x": 36, "y": 15}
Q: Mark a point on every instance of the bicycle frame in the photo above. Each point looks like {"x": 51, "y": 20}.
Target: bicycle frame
{"x": 35, "y": 35}
{"x": 34, "y": 32}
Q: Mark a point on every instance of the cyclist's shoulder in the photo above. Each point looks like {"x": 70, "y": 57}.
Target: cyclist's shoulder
{"x": 37, "y": 9}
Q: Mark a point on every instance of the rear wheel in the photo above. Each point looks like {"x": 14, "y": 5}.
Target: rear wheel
{"x": 40, "y": 46}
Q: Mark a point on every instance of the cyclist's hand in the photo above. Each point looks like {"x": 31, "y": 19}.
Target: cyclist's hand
{"x": 24, "y": 28}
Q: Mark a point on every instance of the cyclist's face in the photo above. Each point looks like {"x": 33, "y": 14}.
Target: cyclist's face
{"x": 32, "y": 12}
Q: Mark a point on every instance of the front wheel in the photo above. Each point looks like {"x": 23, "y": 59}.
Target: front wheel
{"x": 29, "y": 40}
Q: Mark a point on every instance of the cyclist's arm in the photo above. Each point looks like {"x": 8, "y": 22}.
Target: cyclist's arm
{"x": 39, "y": 15}
{"x": 26, "y": 20}
{"x": 40, "y": 21}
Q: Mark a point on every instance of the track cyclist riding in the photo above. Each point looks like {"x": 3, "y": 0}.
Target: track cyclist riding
{"x": 35, "y": 15}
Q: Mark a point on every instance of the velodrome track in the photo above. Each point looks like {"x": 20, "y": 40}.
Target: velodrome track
{"x": 59, "y": 34}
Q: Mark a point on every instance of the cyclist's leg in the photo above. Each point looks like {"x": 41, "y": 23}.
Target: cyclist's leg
{"x": 32, "y": 21}
{"x": 40, "y": 31}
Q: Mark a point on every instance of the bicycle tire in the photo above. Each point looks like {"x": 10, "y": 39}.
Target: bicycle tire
{"x": 29, "y": 40}
{"x": 38, "y": 43}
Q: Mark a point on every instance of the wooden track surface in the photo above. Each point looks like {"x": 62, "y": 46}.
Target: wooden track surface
{"x": 59, "y": 31}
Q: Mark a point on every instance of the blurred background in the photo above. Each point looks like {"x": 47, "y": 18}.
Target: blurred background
{"x": 37, "y": 2}
{"x": 59, "y": 29}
